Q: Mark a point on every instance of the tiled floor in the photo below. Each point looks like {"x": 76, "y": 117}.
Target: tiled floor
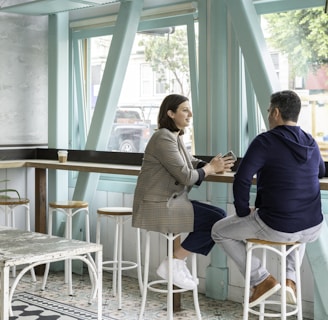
{"x": 156, "y": 302}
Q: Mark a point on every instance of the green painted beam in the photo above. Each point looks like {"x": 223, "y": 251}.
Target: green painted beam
{"x": 58, "y": 71}
{"x": 109, "y": 92}
{"x": 58, "y": 108}
{"x": 317, "y": 254}
{"x": 218, "y": 135}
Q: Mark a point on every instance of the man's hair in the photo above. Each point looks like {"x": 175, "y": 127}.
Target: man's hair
{"x": 288, "y": 103}
{"x": 170, "y": 102}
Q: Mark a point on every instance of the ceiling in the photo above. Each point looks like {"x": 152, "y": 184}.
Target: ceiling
{"x": 102, "y": 7}
{"x": 46, "y": 7}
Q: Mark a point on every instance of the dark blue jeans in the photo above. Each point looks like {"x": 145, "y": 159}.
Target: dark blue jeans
{"x": 200, "y": 239}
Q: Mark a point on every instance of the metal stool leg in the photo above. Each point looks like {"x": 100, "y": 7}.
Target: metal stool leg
{"x": 264, "y": 263}
{"x": 68, "y": 262}
{"x": 139, "y": 270}
{"x": 247, "y": 279}
{"x": 46, "y": 271}
{"x": 170, "y": 278}
{"x": 119, "y": 262}
{"x": 298, "y": 283}
{"x": 145, "y": 279}
{"x": 283, "y": 282}
{"x": 195, "y": 291}
{"x": 115, "y": 257}
{"x": 13, "y": 224}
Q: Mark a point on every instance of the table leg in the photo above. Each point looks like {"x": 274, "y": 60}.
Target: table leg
{"x": 4, "y": 293}
{"x": 98, "y": 261}
{"x": 40, "y": 206}
{"x": 40, "y": 200}
{"x": 176, "y": 296}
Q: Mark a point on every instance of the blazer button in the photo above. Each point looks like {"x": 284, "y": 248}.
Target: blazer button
{"x": 176, "y": 183}
{"x": 174, "y": 196}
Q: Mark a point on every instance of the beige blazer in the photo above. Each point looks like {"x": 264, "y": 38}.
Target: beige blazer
{"x": 167, "y": 170}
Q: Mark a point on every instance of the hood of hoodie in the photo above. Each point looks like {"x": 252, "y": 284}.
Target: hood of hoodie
{"x": 301, "y": 143}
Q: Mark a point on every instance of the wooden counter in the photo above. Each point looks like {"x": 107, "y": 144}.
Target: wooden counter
{"x": 41, "y": 184}
{"x": 84, "y": 167}
{"x": 114, "y": 169}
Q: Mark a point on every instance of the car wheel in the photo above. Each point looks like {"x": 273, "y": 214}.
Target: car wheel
{"x": 127, "y": 146}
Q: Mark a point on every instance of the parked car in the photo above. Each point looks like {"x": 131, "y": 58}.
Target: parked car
{"x": 132, "y": 128}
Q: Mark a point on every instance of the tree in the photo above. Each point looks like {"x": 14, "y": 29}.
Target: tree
{"x": 168, "y": 57}
{"x": 302, "y": 35}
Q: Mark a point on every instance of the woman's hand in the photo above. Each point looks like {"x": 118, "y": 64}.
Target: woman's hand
{"x": 228, "y": 164}
{"x": 219, "y": 165}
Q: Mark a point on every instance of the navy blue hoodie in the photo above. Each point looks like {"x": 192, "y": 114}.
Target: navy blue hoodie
{"x": 288, "y": 165}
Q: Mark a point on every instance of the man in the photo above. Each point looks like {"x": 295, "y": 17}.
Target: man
{"x": 288, "y": 165}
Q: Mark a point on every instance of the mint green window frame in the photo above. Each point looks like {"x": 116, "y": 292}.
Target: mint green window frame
{"x": 78, "y": 106}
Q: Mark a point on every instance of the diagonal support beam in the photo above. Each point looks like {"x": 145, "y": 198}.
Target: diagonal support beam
{"x": 109, "y": 92}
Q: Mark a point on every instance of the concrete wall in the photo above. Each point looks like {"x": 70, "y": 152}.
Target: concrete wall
{"x": 23, "y": 79}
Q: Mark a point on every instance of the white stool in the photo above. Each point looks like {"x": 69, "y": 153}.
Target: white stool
{"x": 120, "y": 215}
{"x": 70, "y": 209}
{"x": 280, "y": 248}
{"x": 7, "y": 206}
{"x": 169, "y": 290}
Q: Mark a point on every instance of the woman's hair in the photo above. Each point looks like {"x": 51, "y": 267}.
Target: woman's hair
{"x": 170, "y": 102}
{"x": 289, "y": 104}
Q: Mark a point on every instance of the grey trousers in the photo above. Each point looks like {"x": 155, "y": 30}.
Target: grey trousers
{"x": 230, "y": 234}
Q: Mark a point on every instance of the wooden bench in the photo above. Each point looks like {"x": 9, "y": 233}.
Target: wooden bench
{"x": 29, "y": 249}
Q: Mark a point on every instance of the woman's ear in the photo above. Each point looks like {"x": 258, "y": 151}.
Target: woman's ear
{"x": 170, "y": 113}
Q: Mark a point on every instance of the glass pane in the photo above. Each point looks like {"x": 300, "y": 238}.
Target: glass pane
{"x": 99, "y": 47}
{"x": 158, "y": 66}
{"x": 299, "y": 52}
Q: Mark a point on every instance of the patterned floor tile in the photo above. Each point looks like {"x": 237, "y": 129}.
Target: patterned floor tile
{"x": 156, "y": 303}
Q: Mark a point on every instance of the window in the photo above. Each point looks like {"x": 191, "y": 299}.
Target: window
{"x": 146, "y": 81}
{"x": 158, "y": 66}
{"x": 301, "y": 65}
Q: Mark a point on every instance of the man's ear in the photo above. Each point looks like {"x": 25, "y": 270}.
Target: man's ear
{"x": 276, "y": 113}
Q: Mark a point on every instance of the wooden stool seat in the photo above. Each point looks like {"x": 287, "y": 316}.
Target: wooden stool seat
{"x": 120, "y": 215}
{"x": 69, "y": 204}
{"x": 13, "y": 201}
{"x": 279, "y": 248}
{"x": 271, "y": 243}
{"x": 115, "y": 211}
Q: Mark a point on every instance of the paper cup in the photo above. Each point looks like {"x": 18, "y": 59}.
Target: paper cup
{"x": 62, "y": 155}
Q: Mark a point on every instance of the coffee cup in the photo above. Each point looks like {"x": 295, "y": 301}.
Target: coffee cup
{"x": 62, "y": 155}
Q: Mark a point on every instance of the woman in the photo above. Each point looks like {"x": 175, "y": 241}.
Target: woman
{"x": 167, "y": 174}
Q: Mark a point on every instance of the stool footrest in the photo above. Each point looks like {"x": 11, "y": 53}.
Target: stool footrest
{"x": 274, "y": 314}
{"x": 129, "y": 265}
{"x": 151, "y": 287}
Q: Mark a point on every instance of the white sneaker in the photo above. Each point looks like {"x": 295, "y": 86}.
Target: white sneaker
{"x": 162, "y": 270}
{"x": 181, "y": 275}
